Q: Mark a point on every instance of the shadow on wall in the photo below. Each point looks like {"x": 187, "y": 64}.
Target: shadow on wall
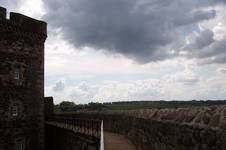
{"x": 61, "y": 139}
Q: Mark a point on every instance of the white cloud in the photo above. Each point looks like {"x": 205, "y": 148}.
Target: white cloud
{"x": 187, "y": 76}
{"x": 218, "y": 24}
{"x": 221, "y": 70}
{"x": 96, "y": 76}
{"x": 182, "y": 85}
{"x": 32, "y": 8}
{"x": 149, "y": 89}
{"x": 59, "y": 86}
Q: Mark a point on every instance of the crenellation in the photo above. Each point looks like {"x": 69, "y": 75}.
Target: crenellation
{"x": 28, "y": 24}
{"x": 19, "y": 27}
{"x": 2, "y": 13}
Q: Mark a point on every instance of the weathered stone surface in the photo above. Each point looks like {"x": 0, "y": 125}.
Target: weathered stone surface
{"x": 213, "y": 117}
{"x": 21, "y": 81}
{"x": 48, "y": 107}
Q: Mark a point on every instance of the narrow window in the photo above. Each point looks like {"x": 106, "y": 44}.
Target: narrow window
{"x": 17, "y": 74}
{"x": 15, "y": 111}
{"x": 19, "y": 144}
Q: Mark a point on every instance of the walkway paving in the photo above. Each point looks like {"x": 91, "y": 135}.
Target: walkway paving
{"x": 114, "y": 141}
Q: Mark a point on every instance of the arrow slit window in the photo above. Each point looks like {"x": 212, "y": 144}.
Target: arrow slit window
{"x": 15, "y": 110}
{"x": 17, "y": 74}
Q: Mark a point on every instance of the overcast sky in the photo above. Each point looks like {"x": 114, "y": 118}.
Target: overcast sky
{"x": 122, "y": 50}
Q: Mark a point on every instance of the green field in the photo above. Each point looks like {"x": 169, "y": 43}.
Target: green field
{"x": 159, "y": 104}
{"x": 67, "y": 106}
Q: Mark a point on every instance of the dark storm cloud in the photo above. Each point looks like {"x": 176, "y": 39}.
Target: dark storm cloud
{"x": 143, "y": 30}
{"x": 205, "y": 48}
{"x": 205, "y": 38}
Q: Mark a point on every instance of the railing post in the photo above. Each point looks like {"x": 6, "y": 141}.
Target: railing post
{"x": 102, "y": 136}
{"x": 92, "y": 127}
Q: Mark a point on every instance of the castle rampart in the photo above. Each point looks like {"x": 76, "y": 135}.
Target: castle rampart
{"x": 197, "y": 128}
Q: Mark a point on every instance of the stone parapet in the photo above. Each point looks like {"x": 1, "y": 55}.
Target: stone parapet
{"x": 24, "y": 22}
{"x": 197, "y": 128}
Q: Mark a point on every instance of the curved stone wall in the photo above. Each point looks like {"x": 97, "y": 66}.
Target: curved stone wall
{"x": 198, "y": 128}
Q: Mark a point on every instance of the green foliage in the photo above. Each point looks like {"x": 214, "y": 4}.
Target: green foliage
{"x": 65, "y": 106}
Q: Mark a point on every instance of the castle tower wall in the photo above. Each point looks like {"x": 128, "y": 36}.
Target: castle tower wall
{"x": 2, "y": 13}
{"x": 49, "y": 107}
{"x": 21, "y": 82}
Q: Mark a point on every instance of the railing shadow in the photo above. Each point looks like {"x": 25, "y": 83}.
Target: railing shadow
{"x": 90, "y": 127}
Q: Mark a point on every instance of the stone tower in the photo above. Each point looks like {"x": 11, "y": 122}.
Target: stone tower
{"x": 21, "y": 82}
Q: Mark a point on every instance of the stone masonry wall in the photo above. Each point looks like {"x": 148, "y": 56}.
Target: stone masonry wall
{"x": 198, "y": 128}
{"x": 21, "y": 82}
{"x": 48, "y": 107}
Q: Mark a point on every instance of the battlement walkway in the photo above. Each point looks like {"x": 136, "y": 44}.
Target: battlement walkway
{"x": 113, "y": 141}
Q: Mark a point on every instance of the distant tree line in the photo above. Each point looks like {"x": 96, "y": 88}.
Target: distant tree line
{"x": 67, "y": 106}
